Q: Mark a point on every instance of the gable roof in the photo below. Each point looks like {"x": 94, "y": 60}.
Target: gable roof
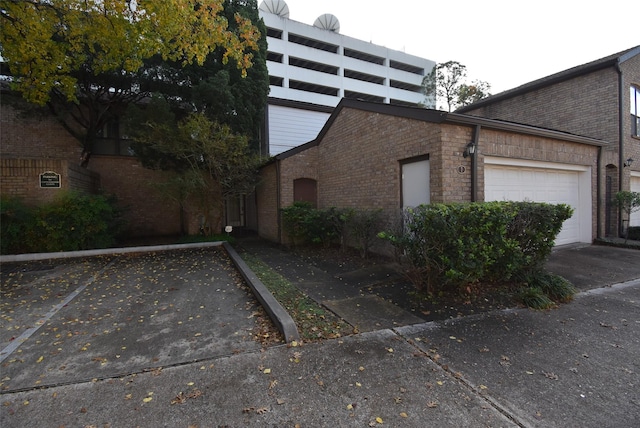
{"x": 437, "y": 116}
{"x": 606, "y": 62}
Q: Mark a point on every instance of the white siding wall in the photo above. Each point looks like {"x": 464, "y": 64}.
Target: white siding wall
{"x": 291, "y": 127}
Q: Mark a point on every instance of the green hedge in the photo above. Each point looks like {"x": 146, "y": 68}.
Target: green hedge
{"x": 73, "y": 221}
{"x": 307, "y": 225}
{"x": 634, "y": 233}
{"x": 450, "y": 245}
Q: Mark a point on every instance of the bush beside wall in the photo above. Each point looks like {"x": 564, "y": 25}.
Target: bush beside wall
{"x": 452, "y": 245}
{"x": 71, "y": 222}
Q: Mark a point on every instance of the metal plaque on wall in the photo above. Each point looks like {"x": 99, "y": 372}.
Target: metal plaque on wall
{"x": 50, "y": 180}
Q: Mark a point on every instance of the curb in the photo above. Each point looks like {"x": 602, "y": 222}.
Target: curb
{"x": 278, "y": 314}
{"x": 29, "y": 257}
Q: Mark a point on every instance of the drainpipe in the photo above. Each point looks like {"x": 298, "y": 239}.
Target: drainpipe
{"x": 620, "y": 140}
{"x": 474, "y": 164}
{"x": 599, "y": 194}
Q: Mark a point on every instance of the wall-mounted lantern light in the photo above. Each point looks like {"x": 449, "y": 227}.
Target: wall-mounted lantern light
{"x": 470, "y": 150}
{"x": 628, "y": 162}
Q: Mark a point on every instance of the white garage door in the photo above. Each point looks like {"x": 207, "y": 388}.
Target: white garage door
{"x": 513, "y": 180}
{"x": 635, "y": 187}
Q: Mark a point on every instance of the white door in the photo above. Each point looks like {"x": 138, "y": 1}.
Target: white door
{"x": 513, "y": 180}
{"x": 415, "y": 183}
{"x": 635, "y": 187}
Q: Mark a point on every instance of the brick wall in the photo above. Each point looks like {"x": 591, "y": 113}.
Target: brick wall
{"x": 31, "y": 145}
{"x": 586, "y": 105}
{"x": 300, "y": 165}
{"x": 21, "y": 178}
{"x": 361, "y": 160}
{"x": 148, "y": 213}
{"x": 34, "y": 136}
{"x": 631, "y": 76}
{"x": 527, "y": 147}
{"x": 267, "y": 203}
{"x": 83, "y": 180}
{"x": 358, "y": 162}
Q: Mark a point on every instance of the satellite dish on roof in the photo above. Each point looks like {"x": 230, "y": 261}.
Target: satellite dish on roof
{"x": 328, "y": 22}
{"x": 277, "y": 7}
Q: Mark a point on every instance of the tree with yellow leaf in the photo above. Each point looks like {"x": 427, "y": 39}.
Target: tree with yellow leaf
{"x": 84, "y": 59}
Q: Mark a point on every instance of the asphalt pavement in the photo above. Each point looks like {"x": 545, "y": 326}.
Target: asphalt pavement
{"x": 168, "y": 338}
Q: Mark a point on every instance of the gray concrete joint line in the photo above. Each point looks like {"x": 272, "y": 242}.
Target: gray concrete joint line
{"x": 609, "y": 288}
{"x": 124, "y": 375}
{"x": 27, "y": 257}
{"x": 466, "y": 383}
{"x": 13, "y": 346}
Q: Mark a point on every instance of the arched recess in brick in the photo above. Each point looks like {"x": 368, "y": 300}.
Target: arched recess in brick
{"x": 305, "y": 189}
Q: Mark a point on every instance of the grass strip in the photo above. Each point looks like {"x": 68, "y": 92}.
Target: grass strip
{"x": 313, "y": 321}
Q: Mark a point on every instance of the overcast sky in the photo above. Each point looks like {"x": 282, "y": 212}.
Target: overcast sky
{"x": 503, "y": 42}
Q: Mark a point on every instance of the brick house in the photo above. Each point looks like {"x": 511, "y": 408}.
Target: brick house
{"x": 371, "y": 155}
{"x": 37, "y": 144}
{"x": 600, "y": 99}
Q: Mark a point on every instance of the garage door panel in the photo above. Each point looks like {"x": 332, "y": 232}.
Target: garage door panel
{"x": 553, "y": 186}
{"x": 635, "y": 187}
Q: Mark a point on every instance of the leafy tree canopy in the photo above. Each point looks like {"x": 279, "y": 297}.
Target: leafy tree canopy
{"x": 50, "y": 44}
{"x": 446, "y": 82}
{"x": 218, "y": 89}
{"x": 85, "y": 59}
{"x": 209, "y": 160}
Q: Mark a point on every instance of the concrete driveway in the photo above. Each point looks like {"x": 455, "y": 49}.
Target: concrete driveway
{"x": 73, "y": 320}
{"x": 167, "y": 339}
{"x": 595, "y": 266}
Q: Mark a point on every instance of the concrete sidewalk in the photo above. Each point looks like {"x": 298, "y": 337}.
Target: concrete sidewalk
{"x": 378, "y": 296}
{"x": 575, "y": 366}
{"x": 351, "y": 293}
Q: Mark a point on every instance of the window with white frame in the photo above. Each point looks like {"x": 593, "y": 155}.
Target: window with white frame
{"x": 635, "y": 111}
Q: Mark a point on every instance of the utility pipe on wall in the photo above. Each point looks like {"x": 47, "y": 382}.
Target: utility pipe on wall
{"x": 474, "y": 164}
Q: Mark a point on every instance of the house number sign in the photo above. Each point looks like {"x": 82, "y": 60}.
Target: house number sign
{"x": 50, "y": 180}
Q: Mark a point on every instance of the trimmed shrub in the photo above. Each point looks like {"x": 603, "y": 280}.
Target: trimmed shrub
{"x": 451, "y": 245}
{"x": 294, "y": 221}
{"x": 633, "y": 233}
{"x": 326, "y": 226}
{"x": 447, "y": 245}
{"x": 534, "y": 227}
{"x": 363, "y": 226}
{"x": 15, "y": 217}
{"x": 305, "y": 224}
{"x": 73, "y": 221}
